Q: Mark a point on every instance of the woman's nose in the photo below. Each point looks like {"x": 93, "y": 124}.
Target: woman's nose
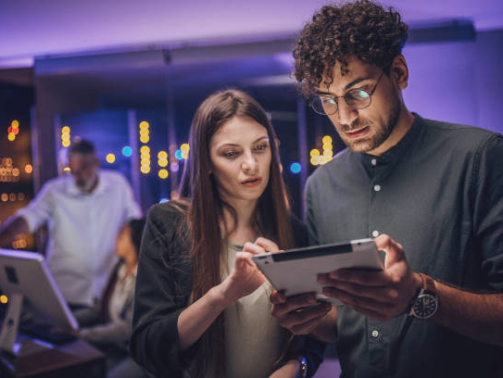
{"x": 249, "y": 164}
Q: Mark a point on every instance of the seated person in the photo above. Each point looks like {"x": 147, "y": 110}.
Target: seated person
{"x": 107, "y": 324}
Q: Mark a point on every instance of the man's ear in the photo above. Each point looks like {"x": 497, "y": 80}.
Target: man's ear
{"x": 399, "y": 72}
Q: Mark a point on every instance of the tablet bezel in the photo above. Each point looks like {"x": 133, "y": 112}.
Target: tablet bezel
{"x": 295, "y": 271}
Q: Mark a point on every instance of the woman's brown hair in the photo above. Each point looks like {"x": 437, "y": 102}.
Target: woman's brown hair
{"x": 271, "y": 217}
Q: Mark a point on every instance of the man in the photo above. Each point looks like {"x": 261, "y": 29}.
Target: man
{"x": 84, "y": 213}
{"x": 436, "y": 310}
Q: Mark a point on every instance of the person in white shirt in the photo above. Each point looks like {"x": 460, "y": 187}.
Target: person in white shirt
{"x": 84, "y": 213}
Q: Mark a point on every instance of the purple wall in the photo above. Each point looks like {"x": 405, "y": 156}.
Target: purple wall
{"x": 460, "y": 82}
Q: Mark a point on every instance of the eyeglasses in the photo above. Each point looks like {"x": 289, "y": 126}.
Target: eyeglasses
{"x": 355, "y": 99}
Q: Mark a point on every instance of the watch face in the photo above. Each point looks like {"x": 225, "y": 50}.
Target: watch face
{"x": 425, "y": 306}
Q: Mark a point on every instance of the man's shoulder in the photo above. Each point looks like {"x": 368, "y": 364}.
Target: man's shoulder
{"x": 340, "y": 162}
{"x": 57, "y": 183}
{"x": 113, "y": 181}
{"x": 458, "y": 134}
{"x": 110, "y": 175}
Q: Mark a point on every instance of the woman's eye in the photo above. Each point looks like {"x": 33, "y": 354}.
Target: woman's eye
{"x": 261, "y": 147}
{"x": 230, "y": 154}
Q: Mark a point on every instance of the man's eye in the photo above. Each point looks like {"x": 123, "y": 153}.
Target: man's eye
{"x": 357, "y": 95}
{"x": 327, "y": 100}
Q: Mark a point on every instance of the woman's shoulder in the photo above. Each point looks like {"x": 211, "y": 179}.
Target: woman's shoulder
{"x": 167, "y": 230}
{"x": 171, "y": 212}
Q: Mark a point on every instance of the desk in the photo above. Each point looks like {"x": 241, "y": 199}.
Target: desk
{"x": 76, "y": 359}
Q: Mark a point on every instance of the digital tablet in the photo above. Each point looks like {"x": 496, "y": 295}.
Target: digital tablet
{"x": 295, "y": 271}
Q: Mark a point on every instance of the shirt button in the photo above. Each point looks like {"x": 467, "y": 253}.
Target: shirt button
{"x": 375, "y": 333}
{"x": 374, "y": 161}
{"x": 377, "y": 188}
{"x": 375, "y": 233}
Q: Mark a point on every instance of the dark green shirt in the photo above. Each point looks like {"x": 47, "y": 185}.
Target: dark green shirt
{"x": 438, "y": 192}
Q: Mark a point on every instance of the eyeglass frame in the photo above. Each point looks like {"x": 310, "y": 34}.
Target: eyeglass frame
{"x": 334, "y": 98}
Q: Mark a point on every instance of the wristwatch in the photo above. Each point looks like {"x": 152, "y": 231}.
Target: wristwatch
{"x": 302, "y": 366}
{"x": 425, "y": 303}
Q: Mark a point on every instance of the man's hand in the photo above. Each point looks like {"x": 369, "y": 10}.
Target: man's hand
{"x": 380, "y": 295}
{"x": 300, "y": 314}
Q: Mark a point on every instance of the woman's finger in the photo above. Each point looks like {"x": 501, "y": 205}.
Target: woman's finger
{"x": 267, "y": 245}
{"x": 253, "y": 248}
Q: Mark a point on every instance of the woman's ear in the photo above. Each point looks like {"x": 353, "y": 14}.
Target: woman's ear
{"x": 399, "y": 72}
{"x": 277, "y": 141}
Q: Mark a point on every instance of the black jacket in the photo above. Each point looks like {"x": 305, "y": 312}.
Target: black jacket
{"x": 163, "y": 287}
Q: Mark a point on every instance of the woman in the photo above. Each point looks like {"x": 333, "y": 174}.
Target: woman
{"x": 107, "y": 325}
{"x": 202, "y": 307}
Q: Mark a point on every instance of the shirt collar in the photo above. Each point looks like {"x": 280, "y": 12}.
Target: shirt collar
{"x": 122, "y": 271}
{"x": 399, "y": 149}
{"x": 72, "y": 189}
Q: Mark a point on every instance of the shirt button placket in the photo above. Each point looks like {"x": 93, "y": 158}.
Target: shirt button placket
{"x": 377, "y": 348}
{"x": 377, "y": 188}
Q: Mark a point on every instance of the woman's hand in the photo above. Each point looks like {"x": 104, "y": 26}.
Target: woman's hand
{"x": 245, "y": 277}
{"x": 289, "y": 370}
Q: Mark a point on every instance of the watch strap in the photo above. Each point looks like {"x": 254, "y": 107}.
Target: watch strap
{"x": 429, "y": 289}
{"x": 303, "y": 369}
{"x": 428, "y": 284}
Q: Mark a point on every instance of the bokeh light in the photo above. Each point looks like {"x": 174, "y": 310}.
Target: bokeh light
{"x": 127, "y": 151}
{"x": 295, "y": 168}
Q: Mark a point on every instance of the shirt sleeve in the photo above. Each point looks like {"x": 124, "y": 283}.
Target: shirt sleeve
{"x": 158, "y": 304}
{"x": 108, "y": 334}
{"x": 313, "y": 350}
{"x": 88, "y": 316}
{"x": 487, "y": 184}
{"x": 131, "y": 207}
{"x": 40, "y": 209}
{"x": 310, "y": 219}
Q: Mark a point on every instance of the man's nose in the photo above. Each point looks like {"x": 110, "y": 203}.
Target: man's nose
{"x": 346, "y": 114}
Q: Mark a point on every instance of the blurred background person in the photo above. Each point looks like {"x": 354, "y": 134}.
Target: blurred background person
{"x": 107, "y": 324}
{"x": 84, "y": 213}
{"x": 202, "y": 306}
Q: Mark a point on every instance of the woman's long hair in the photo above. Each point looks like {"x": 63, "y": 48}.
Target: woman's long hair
{"x": 271, "y": 217}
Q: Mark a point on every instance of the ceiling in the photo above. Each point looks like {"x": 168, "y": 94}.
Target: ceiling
{"x": 38, "y": 28}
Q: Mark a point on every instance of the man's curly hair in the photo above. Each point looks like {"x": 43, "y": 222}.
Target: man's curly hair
{"x": 360, "y": 29}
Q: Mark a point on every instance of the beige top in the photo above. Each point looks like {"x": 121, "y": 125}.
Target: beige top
{"x": 252, "y": 334}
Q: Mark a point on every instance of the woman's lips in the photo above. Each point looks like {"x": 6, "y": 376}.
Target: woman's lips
{"x": 252, "y": 182}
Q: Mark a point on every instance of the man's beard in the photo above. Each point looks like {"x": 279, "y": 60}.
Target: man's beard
{"x": 87, "y": 186}
{"x": 374, "y": 141}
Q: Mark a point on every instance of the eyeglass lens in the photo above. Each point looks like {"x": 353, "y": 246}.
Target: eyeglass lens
{"x": 356, "y": 98}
